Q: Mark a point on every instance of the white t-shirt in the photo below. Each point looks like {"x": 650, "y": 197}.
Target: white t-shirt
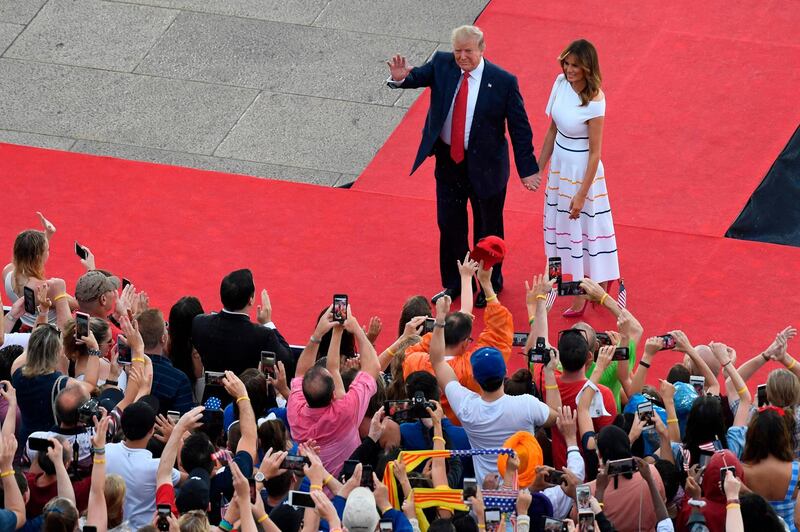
{"x": 138, "y": 468}
{"x": 489, "y": 425}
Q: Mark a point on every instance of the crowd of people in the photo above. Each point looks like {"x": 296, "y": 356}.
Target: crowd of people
{"x": 207, "y": 420}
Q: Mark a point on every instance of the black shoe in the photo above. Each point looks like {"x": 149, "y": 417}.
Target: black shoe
{"x": 446, "y": 292}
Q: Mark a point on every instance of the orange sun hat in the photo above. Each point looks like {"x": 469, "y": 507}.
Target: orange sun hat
{"x": 530, "y": 457}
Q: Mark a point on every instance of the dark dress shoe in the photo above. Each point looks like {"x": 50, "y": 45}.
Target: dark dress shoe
{"x": 446, "y": 292}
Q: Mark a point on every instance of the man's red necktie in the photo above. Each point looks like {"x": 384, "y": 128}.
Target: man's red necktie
{"x": 459, "y": 122}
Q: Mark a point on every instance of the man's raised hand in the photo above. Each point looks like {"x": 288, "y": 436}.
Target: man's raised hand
{"x": 398, "y": 67}
{"x": 442, "y": 308}
{"x": 264, "y": 310}
{"x": 468, "y": 268}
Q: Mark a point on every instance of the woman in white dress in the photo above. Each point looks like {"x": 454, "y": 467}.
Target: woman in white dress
{"x": 578, "y": 226}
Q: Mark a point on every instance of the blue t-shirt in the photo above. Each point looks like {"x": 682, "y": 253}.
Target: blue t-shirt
{"x": 8, "y": 521}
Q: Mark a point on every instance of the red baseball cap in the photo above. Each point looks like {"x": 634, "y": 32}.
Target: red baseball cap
{"x": 490, "y": 250}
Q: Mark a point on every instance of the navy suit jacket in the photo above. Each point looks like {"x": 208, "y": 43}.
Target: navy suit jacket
{"x": 499, "y": 103}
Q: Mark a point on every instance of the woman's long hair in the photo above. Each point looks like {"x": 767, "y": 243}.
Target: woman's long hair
{"x": 29, "y": 250}
{"x": 60, "y": 515}
{"x": 44, "y": 346}
{"x": 585, "y": 53}
{"x": 180, "y": 334}
{"x": 704, "y": 424}
{"x": 768, "y": 435}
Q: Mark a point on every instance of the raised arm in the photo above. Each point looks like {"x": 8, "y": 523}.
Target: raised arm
{"x": 63, "y": 483}
{"x": 552, "y": 394}
{"x": 169, "y": 455}
{"x": 682, "y": 344}
{"x": 655, "y": 496}
{"x": 651, "y": 347}
{"x": 333, "y": 360}
{"x": 10, "y": 395}
{"x": 242, "y": 496}
{"x": 444, "y": 373}
{"x": 780, "y": 353}
{"x": 738, "y": 388}
{"x": 247, "y": 418}
{"x": 12, "y": 497}
{"x": 467, "y": 271}
{"x": 409, "y": 337}
{"x": 404, "y": 76}
{"x": 97, "y": 513}
{"x": 536, "y": 302}
{"x": 309, "y": 354}
{"x": 585, "y": 423}
{"x": 667, "y": 392}
{"x": 366, "y": 351}
{"x": 438, "y": 466}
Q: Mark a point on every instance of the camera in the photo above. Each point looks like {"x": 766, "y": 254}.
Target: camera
{"x": 420, "y": 405}
{"x": 88, "y": 411}
{"x": 540, "y": 353}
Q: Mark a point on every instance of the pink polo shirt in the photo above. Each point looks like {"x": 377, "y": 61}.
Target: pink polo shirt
{"x": 334, "y": 427}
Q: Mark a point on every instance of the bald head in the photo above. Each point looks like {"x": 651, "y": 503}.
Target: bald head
{"x": 318, "y": 387}
{"x": 708, "y": 357}
{"x": 591, "y": 337}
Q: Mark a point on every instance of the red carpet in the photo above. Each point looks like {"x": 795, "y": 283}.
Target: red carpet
{"x": 698, "y": 109}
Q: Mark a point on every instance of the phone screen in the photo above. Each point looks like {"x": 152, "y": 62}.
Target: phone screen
{"x": 603, "y": 338}
{"x": 645, "y": 411}
{"x": 470, "y": 488}
{"x": 583, "y": 495}
{"x": 302, "y": 499}
{"x": 554, "y": 269}
{"x": 491, "y": 516}
{"x": 214, "y": 378}
{"x": 340, "y": 307}
{"x": 366, "y": 477}
{"x": 520, "y": 339}
{"x": 762, "y": 395}
{"x": 699, "y": 383}
{"x": 386, "y": 525}
{"x": 81, "y": 325}
{"x": 174, "y": 416}
{"x": 123, "y": 352}
{"x": 80, "y": 252}
{"x": 30, "y": 300}
{"x": 294, "y": 462}
{"x": 667, "y": 341}
{"x": 268, "y": 363}
{"x": 621, "y": 353}
{"x": 428, "y": 326}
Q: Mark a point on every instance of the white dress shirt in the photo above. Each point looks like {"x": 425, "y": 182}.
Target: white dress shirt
{"x": 472, "y": 97}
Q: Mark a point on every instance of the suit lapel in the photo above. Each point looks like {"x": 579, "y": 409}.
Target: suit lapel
{"x": 484, "y": 93}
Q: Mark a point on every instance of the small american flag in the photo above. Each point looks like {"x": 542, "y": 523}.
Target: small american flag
{"x": 551, "y": 298}
{"x": 622, "y": 297}
{"x": 709, "y": 447}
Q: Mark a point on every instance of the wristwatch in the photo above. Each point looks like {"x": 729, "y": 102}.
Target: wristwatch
{"x": 259, "y": 477}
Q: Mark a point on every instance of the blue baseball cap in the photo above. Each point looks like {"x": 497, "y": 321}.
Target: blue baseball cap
{"x": 487, "y": 363}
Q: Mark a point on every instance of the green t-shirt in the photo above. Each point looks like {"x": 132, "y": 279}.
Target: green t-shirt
{"x": 611, "y": 379}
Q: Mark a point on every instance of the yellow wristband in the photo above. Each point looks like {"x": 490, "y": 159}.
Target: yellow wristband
{"x": 60, "y": 296}
{"x": 99, "y": 460}
{"x": 531, "y": 320}
{"x": 8, "y": 473}
{"x": 391, "y": 353}
{"x": 672, "y": 420}
{"x": 541, "y": 296}
{"x": 733, "y": 505}
{"x": 262, "y": 518}
{"x": 481, "y": 526}
{"x": 740, "y": 392}
{"x": 386, "y": 510}
{"x": 439, "y": 438}
{"x": 791, "y": 364}
{"x": 603, "y": 299}
{"x": 316, "y": 487}
{"x": 137, "y": 359}
{"x": 242, "y": 398}
{"x": 601, "y": 505}
{"x": 325, "y": 482}
{"x": 491, "y": 298}
{"x": 551, "y": 387}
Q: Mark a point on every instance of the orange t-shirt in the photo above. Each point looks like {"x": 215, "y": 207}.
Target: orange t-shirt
{"x": 498, "y": 333}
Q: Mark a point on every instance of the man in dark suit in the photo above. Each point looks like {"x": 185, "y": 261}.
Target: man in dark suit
{"x": 228, "y": 340}
{"x": 465, "y": 130}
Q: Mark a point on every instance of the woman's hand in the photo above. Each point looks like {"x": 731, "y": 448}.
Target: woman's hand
{"x": 604, "y": 357}
{"x": 436, "y": 413}
{"x": 653, "y": 345}
{"x": 575, "y": 206}
{"x": 377, "y": 425}
{"x": 412, "y": 328}
{"x": 468, "y": 268}
{"x": 89, "y": 341}
{"x": 373, "y": 330}
{"x": 732, "y": 485}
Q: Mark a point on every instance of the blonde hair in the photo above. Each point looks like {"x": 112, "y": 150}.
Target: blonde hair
{"x": 114, "y": 491}
{"x": 44, "y": 346}
{"x": 194, "y": 521}
{"x": 783, "y": 388}
{"x": 29, "y": 248}
{"x": 463, "y": 33}
{"x": 586, "y": 55}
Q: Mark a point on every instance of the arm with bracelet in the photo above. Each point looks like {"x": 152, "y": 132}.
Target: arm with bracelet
{"x": 682, "y": 344}
{"x": 667, "y": 392}
{"x": 536, "y": 302}
{"x": 776, "y": 351}
{"x": 738, "y": 388}
{"x": 438, "y": 465}
{"x": 403, "y": 342}
{"x": 466, "y": 271}
{"x": 333, "y": 360}
{"x": 651, "y": 347}
{"x": 552, "y": 394}
{"x": 247, "y": 418}
{"x": 309, "y": 354}
{"x": 97, "y": 511}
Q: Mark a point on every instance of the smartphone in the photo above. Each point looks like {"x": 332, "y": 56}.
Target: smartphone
{"x": 667, "y": 341}
{"x": 646, "y": 413}
{"x": 164, "y": 511}
{"x": 621, "y": 353}
{"x": 125, "y": 282}
{"x": 761, "y": 394}
{"x": 294, "y": 462}
{"x": 124, "y": 354}
{"x": 470, "y": 488}
{"x": 80, "y": 252}
{"x": 301, "y": 499}
{"x": 212, "y": 417}
{"x": 520, "y": 339}
{"x": 722, "y": 472}
{"x": 555, "y": 476}
{"x": 30, "y": 300}
{"x": 586, "y": 521}
{"x": 81, "y": 325}
{"x": 366, "y": 477}
{"x": 39, "y": 444}
{"x": 428, "y": 326}
{"x": 252, "y": 483}
{"x": 174, "y": 416}
{"x": 704, "y": 458}
{"x": 400, "y": 411}
{"x": 268, "y": 363}
{"x": 554, "y": 525}
{"x": 89, "y": 528}
{"x": 620, "y": 467}
{"x": 340, "y": 307}
{"x": 571, "y": 288}
{"x": 348, "y": 469}
{"x": 698, "y": 382}
{"x": 491, "y": 516}
{"x": 583, "y": 496}
{"x": 554, "y": 269}
{"x": 214, "y": 378}
{"x": 386, "y": 524}
{"x": 603, "y": 339}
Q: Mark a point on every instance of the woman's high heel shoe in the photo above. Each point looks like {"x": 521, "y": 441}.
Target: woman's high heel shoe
{"x": 570, "y": 313}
